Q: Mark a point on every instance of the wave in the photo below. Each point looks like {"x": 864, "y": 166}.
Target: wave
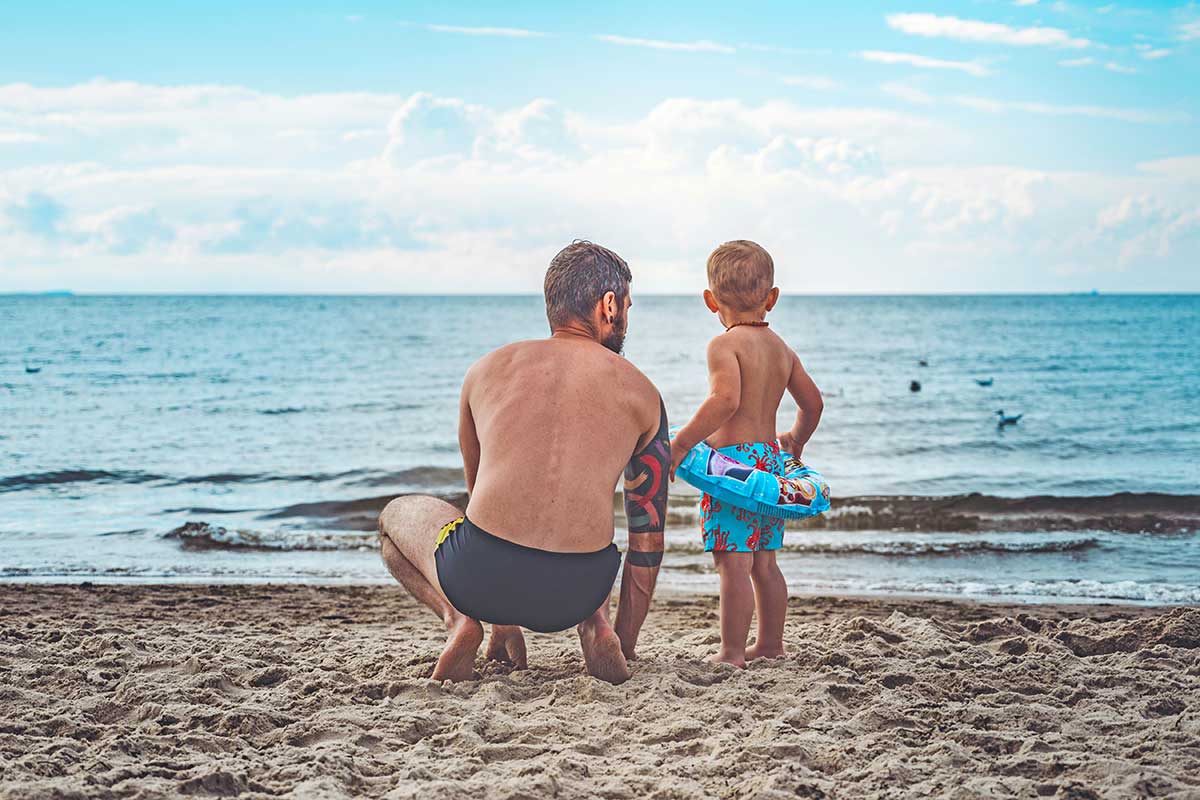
{"x": 1124, "y": 512}
{"x": 908, "y": 548}
{"x": 1056, "y": 590}
{"x": 34, "y": 480}
{"x": 206, "y": 536}
{"x": 1128, "y": 512}
{"x": 203, "y": 536}
{"x": 976, "y": 513}
{"x": 412, "y": 478}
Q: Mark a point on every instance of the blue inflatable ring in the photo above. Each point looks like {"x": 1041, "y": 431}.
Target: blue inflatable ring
{"x": 799, "y": 492}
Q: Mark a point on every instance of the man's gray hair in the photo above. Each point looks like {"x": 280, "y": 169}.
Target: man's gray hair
{"x": 579, "y": 277}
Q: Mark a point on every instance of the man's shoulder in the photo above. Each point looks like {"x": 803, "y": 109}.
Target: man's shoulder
{"x": 634, "y": 379}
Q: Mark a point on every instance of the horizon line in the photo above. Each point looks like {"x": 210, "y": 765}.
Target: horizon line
{"x": 67, "y": 293}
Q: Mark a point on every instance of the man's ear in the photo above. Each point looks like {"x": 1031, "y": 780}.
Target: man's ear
{"x": 609, "y": 306}
{"x": 772, "y": 297}
{"x": 710, "y": 301}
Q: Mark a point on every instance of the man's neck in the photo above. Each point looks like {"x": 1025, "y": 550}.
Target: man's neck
{"x": 573, "y": 331}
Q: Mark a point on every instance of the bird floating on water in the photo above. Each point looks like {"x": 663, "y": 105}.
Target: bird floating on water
{"x": 1005, "y": 421}
{"x": 32, "y": 370}
{"x": 924, "y": 362}
{"x": 915, "y": 386}
{"x": 985, "y": 381}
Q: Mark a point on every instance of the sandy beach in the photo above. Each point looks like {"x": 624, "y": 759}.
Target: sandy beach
{"x": 257, "y": 691}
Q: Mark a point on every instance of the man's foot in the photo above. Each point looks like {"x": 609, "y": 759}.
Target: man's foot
{"x": 729, "y": 658}
{"x": 507, "y": 645}
{"x": 764, "y": 651}
{"x": 457, "y": 661}
{"x": 602, "y": 652}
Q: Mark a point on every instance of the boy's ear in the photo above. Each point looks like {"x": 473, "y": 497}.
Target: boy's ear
{"x": 710, "y": 300}
{"x": 772, "y": 297}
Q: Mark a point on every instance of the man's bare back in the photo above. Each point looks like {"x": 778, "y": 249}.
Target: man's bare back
{"x": 546, "y": 429}
{"x": 556, "y": 421}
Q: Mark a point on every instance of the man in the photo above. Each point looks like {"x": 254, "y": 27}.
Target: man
{"x": 546, "y": 428}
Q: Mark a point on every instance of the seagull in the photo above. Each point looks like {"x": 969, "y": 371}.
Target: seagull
{"x": 32, "y": 370}
{"x": 915, "y": 386}
{"x": 985, "y": 381}
{"x": 1006, "y": 421}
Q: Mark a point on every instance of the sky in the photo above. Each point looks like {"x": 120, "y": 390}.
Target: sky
{"x": 899, "y": 147}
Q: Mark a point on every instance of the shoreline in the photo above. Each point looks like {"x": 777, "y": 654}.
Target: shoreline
{"x": 665, "y": 592}
{"x": 149, "y": 691}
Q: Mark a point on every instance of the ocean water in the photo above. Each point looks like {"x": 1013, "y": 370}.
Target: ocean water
{"x": 277, "y": 426}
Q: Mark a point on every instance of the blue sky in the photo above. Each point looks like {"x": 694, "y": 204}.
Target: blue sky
{"x": 440, "y": 147}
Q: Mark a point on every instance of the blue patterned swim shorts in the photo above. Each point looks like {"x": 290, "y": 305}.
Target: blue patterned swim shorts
{"x": 727, "y": 528}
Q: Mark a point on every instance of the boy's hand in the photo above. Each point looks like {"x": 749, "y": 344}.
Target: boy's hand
{"x": 678, "y": 452}
{"x": 787, "y": 443}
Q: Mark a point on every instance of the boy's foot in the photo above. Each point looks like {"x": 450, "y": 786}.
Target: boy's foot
{"x": 457, "y": 662}
{"x": 728, "y": 658}
{"x": 764, "y": 651}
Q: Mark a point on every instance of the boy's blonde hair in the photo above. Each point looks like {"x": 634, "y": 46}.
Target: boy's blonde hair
{"x": 740, "y": 274}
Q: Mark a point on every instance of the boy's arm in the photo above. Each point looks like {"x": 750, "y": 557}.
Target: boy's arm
{"x": 724, "y": 395}
{"x": 809, "y": 404}
{"x": 468, "y": 438}
{"x": 646, "y": 513}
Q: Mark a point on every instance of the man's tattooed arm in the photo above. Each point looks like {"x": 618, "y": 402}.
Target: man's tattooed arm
{"x": 646, "y": 511}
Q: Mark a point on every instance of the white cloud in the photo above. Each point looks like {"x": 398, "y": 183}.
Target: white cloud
{"x": 907, "y": 93}
{"x": 1086, "y": 61}
{"x": 1151, "y": 53}
{"x": 1025, "y": 2}
{"x": 924, "y": 62}
{"x": 1189, "y": 31}
{"x": 967, "y": 30}
{"x": 818, "y": 83}
{"x": 19, "y": 137}
{"x": 510, "y": 33}
{"x": 701, "y": 46}
{"x": 1113, "y": 66}
{"x": 425, "y": 192}
{"x": 1049, "y": 109}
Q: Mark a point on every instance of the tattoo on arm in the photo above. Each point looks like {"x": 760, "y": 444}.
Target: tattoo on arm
{"x": 646, "y": 497}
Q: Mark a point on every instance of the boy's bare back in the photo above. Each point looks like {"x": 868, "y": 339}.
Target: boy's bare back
{"x": 764, "y": 365}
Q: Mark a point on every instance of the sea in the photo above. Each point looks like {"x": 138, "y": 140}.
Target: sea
{"x": 254, "y": 438}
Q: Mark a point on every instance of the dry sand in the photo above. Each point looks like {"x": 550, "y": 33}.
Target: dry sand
{"x": 156, "y": 691}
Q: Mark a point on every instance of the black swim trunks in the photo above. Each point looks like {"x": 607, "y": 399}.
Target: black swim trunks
{"x": 494, "y": 580}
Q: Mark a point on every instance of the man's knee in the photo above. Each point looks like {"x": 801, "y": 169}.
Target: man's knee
{"x": 413, "y": 516}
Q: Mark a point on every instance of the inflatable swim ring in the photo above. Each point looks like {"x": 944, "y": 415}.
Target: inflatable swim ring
{"x": 799, "y": 492}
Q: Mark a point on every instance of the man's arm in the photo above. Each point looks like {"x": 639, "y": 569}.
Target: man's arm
{"x": 809, "y": 404}
{"x": 724, "y": 395}
{"x": 468, "y": 439}
{"x": 646, "y": 512}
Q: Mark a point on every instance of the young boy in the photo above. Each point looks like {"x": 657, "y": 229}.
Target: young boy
{"x": 749, "y": 367}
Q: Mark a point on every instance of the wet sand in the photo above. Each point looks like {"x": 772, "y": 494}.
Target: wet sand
{"x": 257, "y": 691}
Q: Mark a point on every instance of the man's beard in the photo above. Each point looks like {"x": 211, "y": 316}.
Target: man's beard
{"x": 615, "y": 340}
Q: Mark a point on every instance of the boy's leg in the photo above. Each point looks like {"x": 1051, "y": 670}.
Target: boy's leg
{"x": 770, "y": 596}
{"x": 737, "y": 606}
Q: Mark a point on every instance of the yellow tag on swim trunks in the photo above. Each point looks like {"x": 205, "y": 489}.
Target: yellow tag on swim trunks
{"x": 447, "y": 530}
